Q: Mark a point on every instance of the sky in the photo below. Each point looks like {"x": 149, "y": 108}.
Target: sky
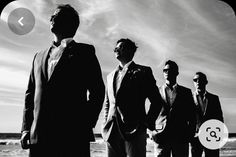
{"x": 199, "y": 35}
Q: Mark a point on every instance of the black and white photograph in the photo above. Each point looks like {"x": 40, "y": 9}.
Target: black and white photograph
{"x": 117, "y": 78}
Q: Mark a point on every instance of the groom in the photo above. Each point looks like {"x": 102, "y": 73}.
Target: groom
{"x": 64, "y": 95}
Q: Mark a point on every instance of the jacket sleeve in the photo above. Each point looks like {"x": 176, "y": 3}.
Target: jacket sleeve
{"x": 106, "y": 106}
{"x": 219, "y": 113}
{"x": 96, "y": 87}
{"x": 192, "y": 121}
{"x": 29, "y": 102}
{"x": 155, "y": 99}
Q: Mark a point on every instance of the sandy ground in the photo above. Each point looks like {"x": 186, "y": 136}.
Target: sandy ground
{"x": 11, "y": 148}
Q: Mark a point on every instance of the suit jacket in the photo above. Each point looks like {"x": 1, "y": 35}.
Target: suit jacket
{"x": 176, "y": 122}
{"x": 127, "y": 105}
{"x": 59, "y": 106}
{"x": 212, "y": 111}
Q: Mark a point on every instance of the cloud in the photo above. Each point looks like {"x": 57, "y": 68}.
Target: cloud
{"x": 11, "y": 97}
{"x": 229, "y": 112}
{"x": 14, "y": 59}
{"x": 95, "y": 7}
{"x": 209, "y": 15}
{"x": 13, "y": 78}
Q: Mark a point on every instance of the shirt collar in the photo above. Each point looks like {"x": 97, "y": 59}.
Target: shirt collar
{"x": 125, "y": 67}
{"x": 204, "y": 94}
{"x": 64, "y": 42}
{"x": 174, "y": 86}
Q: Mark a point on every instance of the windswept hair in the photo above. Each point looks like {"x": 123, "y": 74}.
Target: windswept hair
{"x": 202, "y": 76}
{"x": 173, "y": 65}
{"x": 71, "y": 18}
{"x": 129, "y": 45}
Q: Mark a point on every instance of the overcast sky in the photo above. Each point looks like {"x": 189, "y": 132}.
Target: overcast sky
{"x": 200, "y": 35}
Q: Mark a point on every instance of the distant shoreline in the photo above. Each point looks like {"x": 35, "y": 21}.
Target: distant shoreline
{"x": 18, "y": 135}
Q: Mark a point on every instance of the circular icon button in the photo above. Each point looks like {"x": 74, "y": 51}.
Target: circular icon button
{"x": 21, "y": 21}
{"x": 213, "y": 134}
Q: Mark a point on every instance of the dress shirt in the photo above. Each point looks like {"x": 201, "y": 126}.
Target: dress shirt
{"x": 121, "y": 73}
{"x": 202, "y": 100}
{"x": 171, "y": 93}
{"x": 55, "y": 54}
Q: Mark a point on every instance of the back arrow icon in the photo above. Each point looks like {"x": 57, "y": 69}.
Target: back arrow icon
{"x": 19, "y": 21}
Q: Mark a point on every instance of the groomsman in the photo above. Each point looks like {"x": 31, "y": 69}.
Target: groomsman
{"x": 175, "y": 125}
{"x": 128, "y": 87}
{"x": 207, "y": 107}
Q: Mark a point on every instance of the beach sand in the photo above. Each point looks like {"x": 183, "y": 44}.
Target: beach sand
{"x": 11, "y": 148}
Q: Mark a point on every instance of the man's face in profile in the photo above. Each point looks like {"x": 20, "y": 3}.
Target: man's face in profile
{"x": 119, "y": 50}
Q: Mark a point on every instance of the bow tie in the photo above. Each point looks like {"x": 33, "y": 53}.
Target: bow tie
{"x": 119, "y": 68}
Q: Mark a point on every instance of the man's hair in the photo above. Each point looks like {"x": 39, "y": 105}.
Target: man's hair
{"x": 202, "y": 76}
{"x": 71, "y": 18}
{"x": 173, "y": 65}
{"x": 129, "y": 45}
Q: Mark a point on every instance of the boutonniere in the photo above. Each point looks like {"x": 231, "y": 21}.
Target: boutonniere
{"x": 134, "y": 73}
{"x": 70, "y": 55}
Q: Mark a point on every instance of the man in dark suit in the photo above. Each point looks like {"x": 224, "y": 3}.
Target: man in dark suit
{"x": 175, "y": 123}
{"x": 126, "y": 120}
{"x": 207, "y": 107}
{"x": 65, "y": 93}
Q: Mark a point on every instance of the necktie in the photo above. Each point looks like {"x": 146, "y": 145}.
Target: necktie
{"x": 202, "y": 103}
{"x": 119, "y": 75}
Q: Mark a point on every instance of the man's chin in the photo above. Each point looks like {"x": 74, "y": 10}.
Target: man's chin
{"x": 52, "y": 30}
{"x": 117, "y": 57}
{"x": 55, "y": 31}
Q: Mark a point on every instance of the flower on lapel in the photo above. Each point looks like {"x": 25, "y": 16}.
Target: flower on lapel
{"x": 134, "y": 73}
{"x": 70, "y": 55}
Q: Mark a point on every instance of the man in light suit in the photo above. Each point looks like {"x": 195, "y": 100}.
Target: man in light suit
{"x": 126, "y": 120}
{"x": 65, "y": 93}
{"x": 176, "y": 121}
{"x": 207, "y": 107}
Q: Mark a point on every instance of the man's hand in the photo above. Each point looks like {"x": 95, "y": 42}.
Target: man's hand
{"x": 25, "y": 140}
{"x": 151, "y": 133}
{"x": 156, "y": 136}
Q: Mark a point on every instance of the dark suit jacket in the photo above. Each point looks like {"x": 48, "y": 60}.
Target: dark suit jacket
{"x": 57, "y": 108}
{"x": 176, "y": 123}
{"x": 137, "y": 85}
{"x": 213, "y": 109}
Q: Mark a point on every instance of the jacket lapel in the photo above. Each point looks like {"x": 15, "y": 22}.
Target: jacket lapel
{"x": 66, "y": 54}
{"x": 176, "y": 93}
{"x": 126, "y": 76}
{"x": 45, "y": 63}
{"x": 196, "y": 101}
{"x": 206, "y": 103}
{"x": 111, "y": 83}
{"x": 164, "y": 96}
{"x": 163, "y": 93}
{"x": 195, "y": 98}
